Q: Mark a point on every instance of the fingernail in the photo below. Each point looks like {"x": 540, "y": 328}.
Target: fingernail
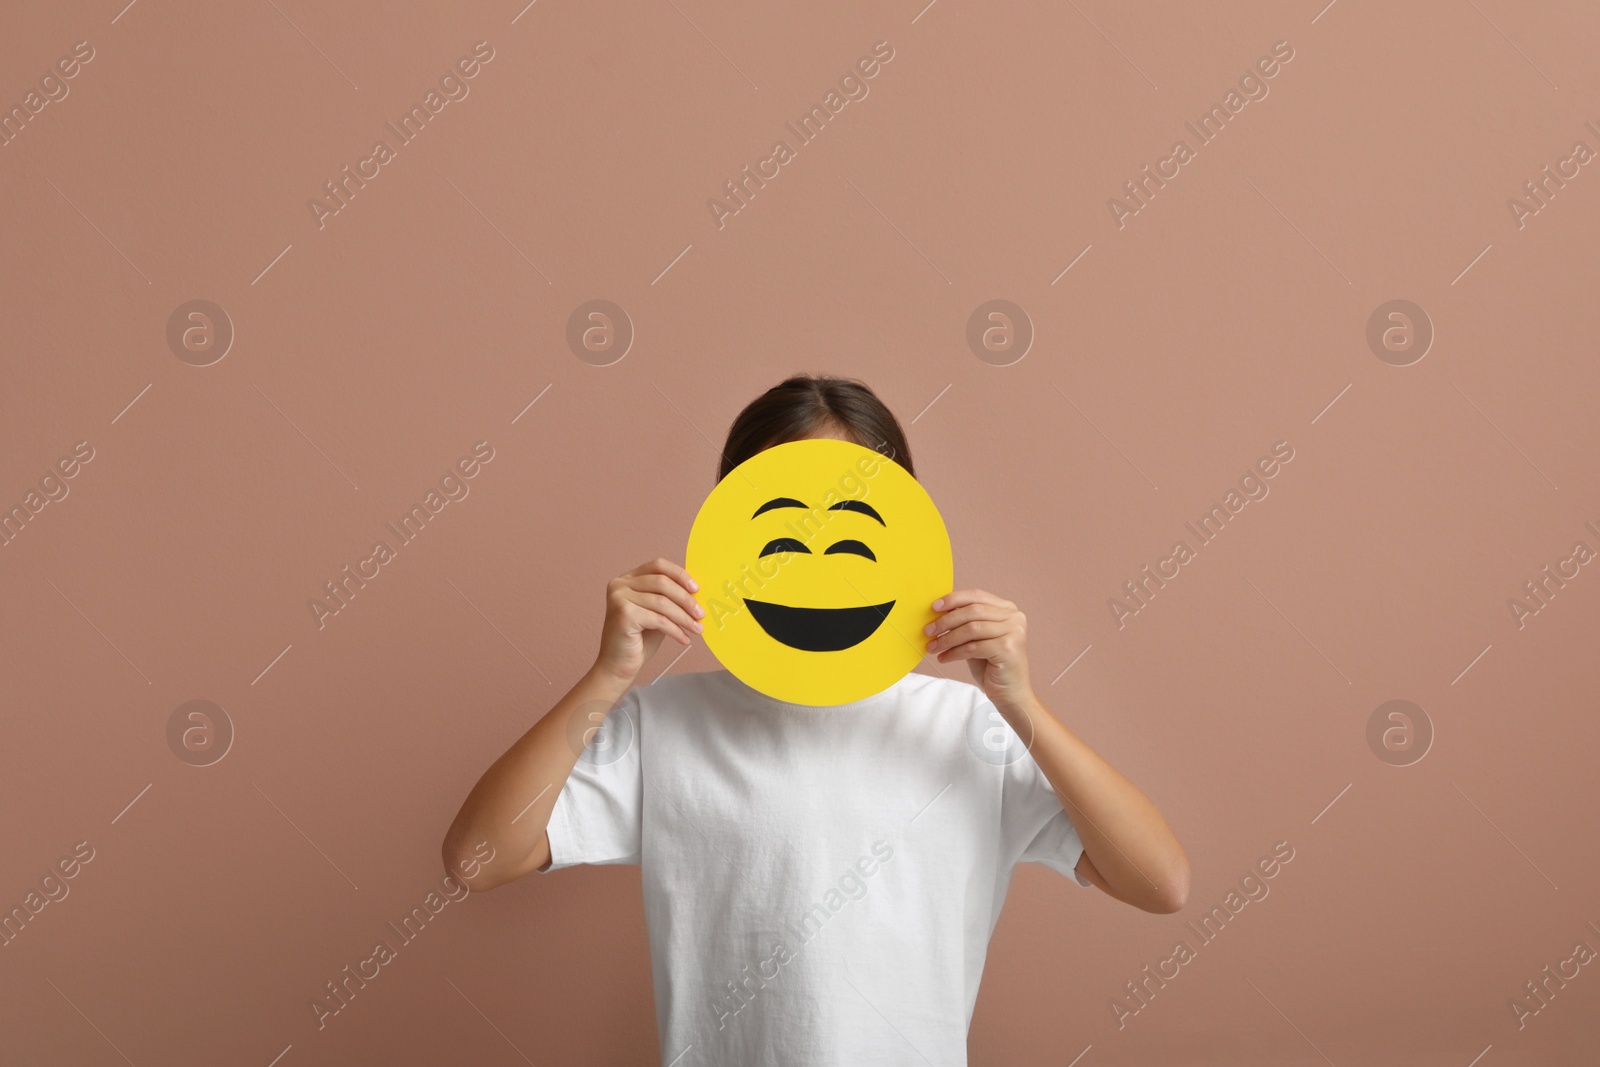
{"x": 699, "y": 612}
{"x": 928, "y": 629}
{"x": 698, "y": 628}
{"x": 694, "y": 586}
{"x": 937, "y": 604}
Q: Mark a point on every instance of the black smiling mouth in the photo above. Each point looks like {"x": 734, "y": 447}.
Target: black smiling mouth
{"x": 819, "y": 629}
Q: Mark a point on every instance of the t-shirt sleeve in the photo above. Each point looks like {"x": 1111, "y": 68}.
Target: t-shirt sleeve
{"x": 1034, "y": 825}
{"x": 598, "y": 812}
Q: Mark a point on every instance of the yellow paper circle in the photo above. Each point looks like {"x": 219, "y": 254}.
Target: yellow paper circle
{"x": 818, "y": 563}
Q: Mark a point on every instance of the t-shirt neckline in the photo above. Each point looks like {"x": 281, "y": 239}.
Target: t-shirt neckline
{"x": 878, "y": 699}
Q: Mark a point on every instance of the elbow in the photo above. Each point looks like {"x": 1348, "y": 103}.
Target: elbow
{"x": 1173, "y": 893}
{"x": 452, "y": 856}
{"x": 475, "y": 865}
{"x": 1170, "y": 901}
{"x": 461, "y": 863}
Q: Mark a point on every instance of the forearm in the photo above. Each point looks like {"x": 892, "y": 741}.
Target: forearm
{"x": 1123, "y": 833}
{"x": 510, "y": 805}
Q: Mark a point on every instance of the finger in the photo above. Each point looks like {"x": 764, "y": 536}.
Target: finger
{"x": 668, "y": 587}
{"x": 661, "y": 565}
{"x": 962, "y": 597}
{"x": 646, "y": 620}
{"x": 981, "y": 630}
{"x": 666, "y": 607}
{"x": 951, "y": 619}
{"x": 992, "y": 649}
{"x": 657, "y": 604}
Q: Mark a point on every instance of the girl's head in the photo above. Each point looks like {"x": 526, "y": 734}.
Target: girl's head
{"x": 808, "y": 406}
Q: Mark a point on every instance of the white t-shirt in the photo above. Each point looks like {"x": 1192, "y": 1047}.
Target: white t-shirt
{"x": 820, "y": 883}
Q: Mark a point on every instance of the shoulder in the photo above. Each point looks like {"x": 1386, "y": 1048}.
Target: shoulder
{"x": 673, "y": 691}
{"x": 945, "y": 694}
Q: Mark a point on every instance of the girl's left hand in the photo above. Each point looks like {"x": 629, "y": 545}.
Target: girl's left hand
{"x": 991, "y": 635}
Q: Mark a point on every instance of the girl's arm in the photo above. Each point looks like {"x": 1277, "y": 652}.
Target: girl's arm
{"x": 510, "y": 806}
{"x": 1129, "y": 850}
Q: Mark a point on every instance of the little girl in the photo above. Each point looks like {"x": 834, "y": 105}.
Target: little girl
{"x": 820, "y": 883}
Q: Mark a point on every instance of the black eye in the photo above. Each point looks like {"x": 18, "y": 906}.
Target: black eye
{"x": 851, "y": 546}
{"x": 785, "y": 544}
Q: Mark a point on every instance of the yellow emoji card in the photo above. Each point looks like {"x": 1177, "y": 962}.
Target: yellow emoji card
{"x": 818, "y": 563}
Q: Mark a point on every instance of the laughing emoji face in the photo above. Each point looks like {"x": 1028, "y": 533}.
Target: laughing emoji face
{"x": 818, "y": 563}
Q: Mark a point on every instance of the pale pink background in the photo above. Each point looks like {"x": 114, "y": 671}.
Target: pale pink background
{"x": 1225, "y": 317}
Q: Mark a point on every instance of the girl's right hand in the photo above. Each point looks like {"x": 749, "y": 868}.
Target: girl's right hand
{"x": 652, "y": 601}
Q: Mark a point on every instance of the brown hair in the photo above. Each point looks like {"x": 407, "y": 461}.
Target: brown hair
{"x": 805, "y": 404}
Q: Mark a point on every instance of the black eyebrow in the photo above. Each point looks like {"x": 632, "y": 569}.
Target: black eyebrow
{"x": 779, "y": 502}
{"x": 861, "y": 506}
